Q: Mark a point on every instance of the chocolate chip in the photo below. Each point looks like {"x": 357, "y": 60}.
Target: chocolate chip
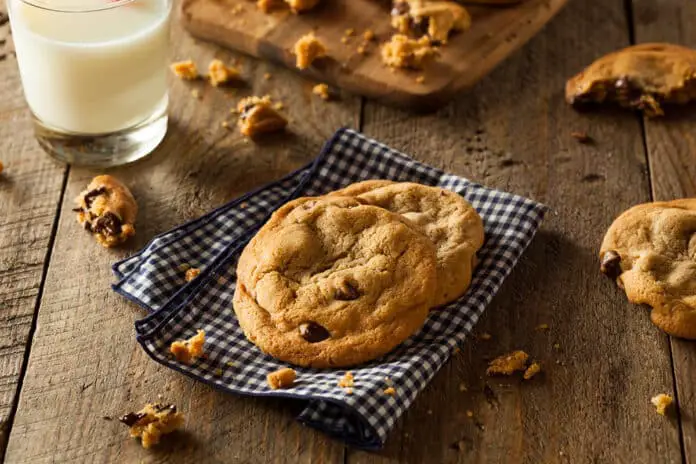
{"x": 77, "y": 210}
{"x": 246, "y": 109}
{"x": 313, "y": 332}
{"x": 131, "y": 418}
{"x": 347, "y": 292}
{"x": 108, "y": 224}
{"x": 611, "y": 264}
{"x": 92, "y": 194}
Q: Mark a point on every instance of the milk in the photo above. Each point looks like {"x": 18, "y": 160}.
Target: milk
{"x": 93, "y": 72}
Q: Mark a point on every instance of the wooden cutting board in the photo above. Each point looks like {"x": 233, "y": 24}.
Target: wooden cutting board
{"x": 495, "y": 33}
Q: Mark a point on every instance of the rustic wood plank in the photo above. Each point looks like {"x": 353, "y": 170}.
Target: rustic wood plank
{"x": 30, "y": 189}
{"x": 495, "y": 33}
{"x": 672, "y": 155}
{"x": 513, "y": 132}
{"x": 85, "y": 363}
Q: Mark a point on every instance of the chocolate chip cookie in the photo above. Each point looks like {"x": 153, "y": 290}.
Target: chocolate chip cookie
{"x": 330, "y": 282}
{"x": 107, "y": 209}
{"x": 642, "y": 77}
{"x": 650, "y": 251}
{"x": 447, "y": 219}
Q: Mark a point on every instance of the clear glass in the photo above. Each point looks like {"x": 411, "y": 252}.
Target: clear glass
{"x": 94, "y": 74}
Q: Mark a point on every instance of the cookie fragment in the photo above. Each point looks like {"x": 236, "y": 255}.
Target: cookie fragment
{"x": 219, "y": 73}
{"x": 642, "y": 77}
{"x": 282, "y": 378}
{"x": 403, "y": 52}
{"x": 187, "y": 351}
{"x": 507, "y": 364}
{"x": 107, "y": 209}
{"x": 152, "y": 422}
{"x": 661, "y": 403}
{"x": 185, "y": 70}
{"x": 322, "y": 90}
{"x": 307, "y": 49}
{"x": 257, "y": 115}
{"x": 436, "y": 19}
{"x": 532, "y": 370}
{"x": 192, "y": 274}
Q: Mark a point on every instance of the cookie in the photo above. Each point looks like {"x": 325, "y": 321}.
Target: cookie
{"x": 650, "y": 251}
{"x": 257, "y": 116}
{"x": 447, "y": 219}
{"x": 107, "y": 209}
{"x": 331, "y": 282}
{"x": 640, "y": 77}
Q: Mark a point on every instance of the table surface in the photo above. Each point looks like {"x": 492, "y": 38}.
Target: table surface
{"x": 67, "y": 351}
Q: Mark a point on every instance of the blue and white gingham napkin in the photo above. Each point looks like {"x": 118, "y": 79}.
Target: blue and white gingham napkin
{"x": 154, "y": 279}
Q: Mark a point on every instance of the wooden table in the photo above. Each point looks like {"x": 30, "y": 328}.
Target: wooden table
{"x": 68, "y": 355}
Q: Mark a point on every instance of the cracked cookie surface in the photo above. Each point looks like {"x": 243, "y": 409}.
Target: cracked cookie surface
{"x": 331, "y": 282}
{"x": 650, "y": 250}
{"x": 107, "y": 209}
{"x": 642, "y": 77}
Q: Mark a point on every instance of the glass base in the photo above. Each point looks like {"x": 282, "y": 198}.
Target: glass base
{"x": 102, "y": 150}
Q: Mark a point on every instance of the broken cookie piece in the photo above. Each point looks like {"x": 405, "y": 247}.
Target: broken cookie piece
{"x": 185, "y": 70}
{"x": 322, "y": 90}
{"x": 642, "y": 77}
{"x": 402, "y": 52}
{"x": 661, "y": 403}
{"x": 187, "y": 351}
{"x": 219, "y": 73}
{"x": 532, "y": 370}
{"x": 509, "y": 363}
{"x": 435, "y": 19}
{"x": 258, "y": 116}
{"x": 282, "y": 378}
{"x": 307, "y": 49}
{"x": 107, "y": 209}
{"x": 153, "y": 421}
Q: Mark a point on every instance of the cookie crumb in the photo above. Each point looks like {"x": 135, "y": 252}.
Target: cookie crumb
{"x": 267, "y": 76}
{"x": 278, "y": 106}
{"x": 322, "y": 90}
{"x": 186, "y": 351}
{"x": 347, "y": 380}
{"x": 404, "y": 52}
{"x": 219, "y": 73}
{"x": 389, "y": 391}
{"x": 153, "y": 421}
{"x": 581, "y": 137}
{"x": 369, "y": 35}
{"x": 257, "y": 116}
{"x": 463, "y": 387}
{"x": 542, "y": 327}
{"x": 485, "y": 336}
{"x": 282, "y": 378}
{"x": 507, "y": 364}
{"x": 307, "y": 49}
{"x": 661, "y": 403}
{"x": 225, "y": 124}
{"x": 469, "y": 413}
{"x": 192, "y": 274}
{"x": 185, "y": 70}
{"x": 532, "y": 370}
{"x": 244, "y": 205}
{"x": 556, "y": 346}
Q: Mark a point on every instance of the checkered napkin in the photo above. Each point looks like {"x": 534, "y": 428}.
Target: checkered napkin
{"x": 154, "y": 279}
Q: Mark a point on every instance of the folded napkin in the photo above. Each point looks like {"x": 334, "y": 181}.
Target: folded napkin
{"x": 154, "y": 279}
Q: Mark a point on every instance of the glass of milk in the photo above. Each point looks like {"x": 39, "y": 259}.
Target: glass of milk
{"x": 94, "y": 74}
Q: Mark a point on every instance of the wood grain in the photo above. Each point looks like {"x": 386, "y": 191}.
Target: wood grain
{"x": 85, "y": 363}
{"x": 30, "y": 188}
{"x": 495, "y": 33}
{"x": 671, "y": 144}
{"x": 513, "y": 132}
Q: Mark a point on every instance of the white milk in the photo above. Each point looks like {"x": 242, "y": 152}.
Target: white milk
{"x": 94, "y": 72}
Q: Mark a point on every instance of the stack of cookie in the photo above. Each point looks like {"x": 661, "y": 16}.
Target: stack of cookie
{"x": 342, "y": 279}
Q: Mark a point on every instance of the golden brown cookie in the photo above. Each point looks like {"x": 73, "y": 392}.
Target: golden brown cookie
{"x": 436, "y": 19}
{"x": 308, "y": 49}
{"x": 642, "y": 77}
{"x": 447, "y": 219}
{"x": 403, "y": 52}
{"x": 108, "y": 210}
{"x": 330, "y": 282}
{"x": 650, "y": 250}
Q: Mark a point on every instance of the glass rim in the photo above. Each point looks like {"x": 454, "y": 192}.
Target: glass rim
{"x": 76, "y": 6}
